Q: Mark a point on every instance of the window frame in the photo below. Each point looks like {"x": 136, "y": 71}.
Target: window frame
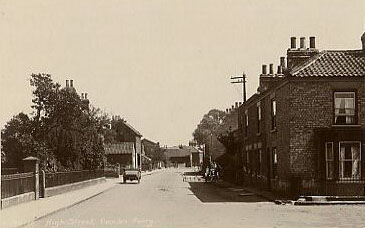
{"x": 274, "y": 163}
{"x": 259, "y": 117}
{"x": 273, "y": 113}
{"x": 355, "y": 115}
{"x": 259, "y": 161}
{"x": 246, "y": 123}
{"x": 340, "y": 176}
{"x": 330, "y": 160}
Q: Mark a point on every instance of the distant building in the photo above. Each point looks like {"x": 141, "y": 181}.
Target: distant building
{"x": 183, "y": 156}
{"x": 126, "y": 133}
{"x": 154, "y": 152}
{"x": 122, "y": 153}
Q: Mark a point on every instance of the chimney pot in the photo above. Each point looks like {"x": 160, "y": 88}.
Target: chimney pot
{"x": 66, "y": 83}
{"x": 302, "y": 42}
{"x": 82, "y": 95}
{"x": 312, "y": 42}
{"x": 227, "y": 110}
{"x": 271, "y": 68}
{"x": 280, "y": 70}
{"x": 85, "y": 95}
{"x": 236, "y": 104}
{"x": 282, "y": 62}
{"x": 71, "y": 83}
{"x": 232, "y": 107}
{"x": 293, "y": 42}
{"x": 264, "y": 69}
{"x": 240, "y": 103}
{"x": 363, "y": 42}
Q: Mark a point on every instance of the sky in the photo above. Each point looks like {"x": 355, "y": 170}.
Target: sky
{"x": 160, "y": 64}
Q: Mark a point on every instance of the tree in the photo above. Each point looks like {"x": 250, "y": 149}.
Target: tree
{"x": 18, "y": 142}
{"x": 64, "y": 131}
{"x": 209, "y": 125}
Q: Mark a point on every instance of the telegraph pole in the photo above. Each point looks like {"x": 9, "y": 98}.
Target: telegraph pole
{"x": 241, "y": 79}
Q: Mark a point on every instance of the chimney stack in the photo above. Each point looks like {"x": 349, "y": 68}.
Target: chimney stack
{"x": 302, "y": 42}
{"x": 271, "y": 68}
{"x": 293, "y": 42}
{"x": 296, "y": 57}
{"x": 232, "y": 107}
{"x": 239, "y": 103}
{"x": 66, "y": 83}
{"x": 312, "y": 42}
{"x": 85, "y": 95}
{"x": 226, "y": 110}
{"x": 71, "y": 83}
{"x": 82, "y": 95}
{"x": 236, "y": 105}
{"x": 363, "y": 42}
{"x": 264, "y": 69}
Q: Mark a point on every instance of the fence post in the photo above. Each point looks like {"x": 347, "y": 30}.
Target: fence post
{"x": 31, "y": 164}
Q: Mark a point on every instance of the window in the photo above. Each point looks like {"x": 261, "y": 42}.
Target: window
{"x": 246, "y": 123}
{"x": 329, "y": 161}
{"x": 273, "y": 114}
{"x": 344, "y": 107}
{"x": 258, "y": 118}
{"x": 259, "y": 161}
{"x": 248, "y": 157}
{"x": 275, "y": 163}
{"x": 350, "y": 160}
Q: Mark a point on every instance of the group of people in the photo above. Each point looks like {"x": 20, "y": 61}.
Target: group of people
{"x": 212, "y": 172}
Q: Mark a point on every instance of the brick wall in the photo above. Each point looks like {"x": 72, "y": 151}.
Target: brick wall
{"x": 312, "y": 107}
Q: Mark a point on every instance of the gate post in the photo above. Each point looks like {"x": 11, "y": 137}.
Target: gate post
{"x": 42, "y": 187}
{"x": 31, "y": 164}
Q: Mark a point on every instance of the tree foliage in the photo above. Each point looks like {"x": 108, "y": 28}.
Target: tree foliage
{"x": 65, "y": 132}
{"x": 209, "y": 125}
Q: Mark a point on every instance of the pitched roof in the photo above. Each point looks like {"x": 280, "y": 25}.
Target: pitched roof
{"x": 119, "y": 148}
{"x": 132, "y": 128}
{"x": 176, "y": 151}
{"x": 348, "y": 63}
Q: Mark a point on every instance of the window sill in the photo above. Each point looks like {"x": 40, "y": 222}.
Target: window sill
{"x": 347, "y": 180}
{"x": 346, "y": 125}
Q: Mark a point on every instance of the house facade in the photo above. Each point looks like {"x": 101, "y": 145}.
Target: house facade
{"x": 126, "y": 133}
{"x": 152, "y": 150}
{"x": 122, "y": 153}
{"x": 303, "y": 132}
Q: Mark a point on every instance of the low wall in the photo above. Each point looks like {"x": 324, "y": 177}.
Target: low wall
{"x": 14, "y": 200}
{"x": 70, "y": 187}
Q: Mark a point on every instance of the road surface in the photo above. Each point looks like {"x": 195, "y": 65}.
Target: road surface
{"x": 164, "y": 199}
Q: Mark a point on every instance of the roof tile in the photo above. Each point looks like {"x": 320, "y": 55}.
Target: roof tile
{"x": 333, "y": 64}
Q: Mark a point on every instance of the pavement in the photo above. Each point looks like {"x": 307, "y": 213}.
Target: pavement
{"x": 22, "y": 214}
{"x": 302, "y": 200}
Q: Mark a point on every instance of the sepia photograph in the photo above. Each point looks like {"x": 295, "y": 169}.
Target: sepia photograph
{"x": 182, "y": 113}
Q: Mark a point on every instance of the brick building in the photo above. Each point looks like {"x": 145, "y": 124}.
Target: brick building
{"x": 126, "y": 133}
{"x": 303, "y": 132}
{"x": 183, "y": 156}
{"x": 122, "y": 153}
{"x": 153, "y": 151}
